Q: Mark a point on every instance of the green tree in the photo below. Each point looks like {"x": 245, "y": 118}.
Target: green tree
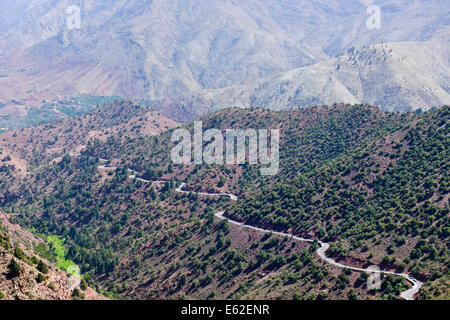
{"x": 42, "y": 267}
{"x": 14, "y": 269}
{"x": 18, "y": 253}
{"x": 40, "y": 278}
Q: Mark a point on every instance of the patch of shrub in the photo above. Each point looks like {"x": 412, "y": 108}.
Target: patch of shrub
{"x": 14, "y": 269}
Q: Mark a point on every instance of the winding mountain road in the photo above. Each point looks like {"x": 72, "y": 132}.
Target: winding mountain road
{"x": 180, "y": 190}
{"x": 407, "y": 294}
{"x": 321, "y": 251}
{"x": 132, "y": 176}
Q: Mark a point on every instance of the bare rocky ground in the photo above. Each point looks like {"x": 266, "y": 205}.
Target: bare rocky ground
{"x": 25, "y": 286}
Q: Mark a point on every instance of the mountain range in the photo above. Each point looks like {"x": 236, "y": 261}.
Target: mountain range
{"x": 403, "y": 76}
{"x": 371, "y": 183}
{"x": 169, "y": 50}
{"x": 88, "y": 114}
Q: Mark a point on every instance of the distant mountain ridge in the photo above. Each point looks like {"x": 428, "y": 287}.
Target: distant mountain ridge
{"x": 158, "y": 49}
{"x": 402, "y": 76}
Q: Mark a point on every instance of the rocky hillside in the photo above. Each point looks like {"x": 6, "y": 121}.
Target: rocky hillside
{"x": 24, "y": 275}
{"x": 23, "y": 151}
{"x": 372, "y": 183}
{"x": 158, "y": 49}
{"x": 47, "y": 142}
{"x": 395, "y": 76}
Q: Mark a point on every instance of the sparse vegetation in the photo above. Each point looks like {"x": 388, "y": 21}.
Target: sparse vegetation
{"x": 339, "y": 181}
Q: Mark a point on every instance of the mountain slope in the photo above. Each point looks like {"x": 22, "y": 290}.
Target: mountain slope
{"x": 33, "y": 278}
{"x": 47, "y": 142}
{"x": 158, "y": 49}
{"x": 23, "y": 151}
{"x": 372, "y": 183}
{"x": 395, "y": 76}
